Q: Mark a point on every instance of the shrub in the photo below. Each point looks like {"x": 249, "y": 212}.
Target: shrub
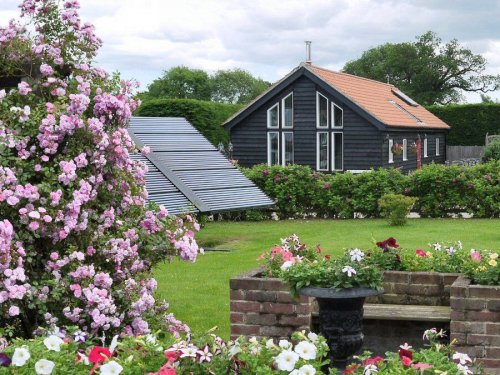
{"x": 77, "y": 241}
{"x": 492, "y": 152}
{"x": 395, "y": 207}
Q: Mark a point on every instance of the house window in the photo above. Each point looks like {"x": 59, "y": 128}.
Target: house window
{"x": 405, "y": 150}
{"x": 425, "y": 147}
{"x": 273, "y": 147}
{"x": 337, "y": 116}
{"x": 322, "y": 151}
{"x": 437, "y": 146}
{"x": 321, "y": 111}
{"x": 391, "y": 155}
{"x": 287, "y": 148}
{"x": 273, "y": 117}
{"x": 338, "y": 151}
{"x": 287, "y": 105}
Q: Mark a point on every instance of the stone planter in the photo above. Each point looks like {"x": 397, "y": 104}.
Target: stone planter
{"x": 475, "y": 321}
{"x": 341, "y": 319}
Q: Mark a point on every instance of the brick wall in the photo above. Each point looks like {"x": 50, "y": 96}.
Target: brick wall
{"x": 475, "y": 321}
{"x": 264, "y": 307}
{"x": 416, "y": 288}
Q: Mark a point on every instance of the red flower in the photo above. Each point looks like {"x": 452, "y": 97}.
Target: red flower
{"x": 390, "y": 242}
{"x": 327, "y": 256}
{"x": 405, "y": 353}
{"x": 372, "y": 361}
{"x": 326, "y": 186}
{"x": 171, "y": 356}
{"x": 318, "y": 248}
{"x": 350, "y": 369}
{"x": 98, "y": 354}
{"x": 265, "y": 172}
{"x": 421, "y": 253}
{"x": 406, "y": 361}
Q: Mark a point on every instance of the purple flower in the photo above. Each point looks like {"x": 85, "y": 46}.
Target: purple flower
{"x": 5, "y": 360}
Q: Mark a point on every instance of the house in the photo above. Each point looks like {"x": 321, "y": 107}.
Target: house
{"x": 335, "y": 121}
{"x": 186, "y": 173}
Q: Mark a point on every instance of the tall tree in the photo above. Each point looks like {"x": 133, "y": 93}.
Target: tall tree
{"x": 236, "y": 86}
{"x": 428, "y": 70}
{"x": 181, "y": 82}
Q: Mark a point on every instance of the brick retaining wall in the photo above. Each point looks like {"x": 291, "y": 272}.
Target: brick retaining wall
{"x": 475, "y": 321}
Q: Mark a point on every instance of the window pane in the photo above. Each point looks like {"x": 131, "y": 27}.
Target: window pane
{"x": 425, "y": 147}
{"x": 405, "y": 149}
{"x": 338, "y": 120}
{"x": 288, "y": 111}
{"x": 323, "y": 111}
{"x": 323, "y": 151}
{"x": 272, "y": 117}
{"x": 288, "y": 148}
{"x": 437, "y": 146}
{"x": 338, "y": 149}
{"x": 391, "y": 155}
{"x": 273, "y": 148}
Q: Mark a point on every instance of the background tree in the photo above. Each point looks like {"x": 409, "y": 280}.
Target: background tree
{"x": 181, "y": 82}
{"x": 236, "y": 86}
{"x": 429, "y": 71}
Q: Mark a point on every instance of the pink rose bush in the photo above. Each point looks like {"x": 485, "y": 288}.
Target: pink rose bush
{"x": 77, "y": 238}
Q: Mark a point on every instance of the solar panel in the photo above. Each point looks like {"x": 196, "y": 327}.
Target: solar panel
{"x": 404, "y": 97}
{"x": 187, "y": 173}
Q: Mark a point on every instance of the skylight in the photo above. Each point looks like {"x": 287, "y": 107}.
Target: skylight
{"x": 404, "y": 97}
{"x": 406, "y": 112}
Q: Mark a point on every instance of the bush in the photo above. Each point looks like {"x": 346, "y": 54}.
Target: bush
{"x": 395, "y": 207}
{"x": 207, "y": 117}
{"x": 492, "y": 152}
{"x": 469, "y": 122}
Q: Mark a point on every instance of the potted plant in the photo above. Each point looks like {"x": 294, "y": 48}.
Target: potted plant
{"x": 340, "y": 286}
{"x": 413, "y": 148}
{"x": 397, "y": 149}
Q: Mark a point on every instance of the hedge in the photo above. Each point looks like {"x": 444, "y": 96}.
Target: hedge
{"x": 469, "y": 122}
{"x": 207, "y": 117}
{"x": 440, "y": 190}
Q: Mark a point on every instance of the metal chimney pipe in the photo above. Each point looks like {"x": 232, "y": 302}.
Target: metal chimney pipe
{"x": 308, "y": 52}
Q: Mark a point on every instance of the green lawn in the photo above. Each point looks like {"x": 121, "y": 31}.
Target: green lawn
{"x": 199, "y": 292}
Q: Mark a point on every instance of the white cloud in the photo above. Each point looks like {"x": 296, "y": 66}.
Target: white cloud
{"x": 266, "y": 37}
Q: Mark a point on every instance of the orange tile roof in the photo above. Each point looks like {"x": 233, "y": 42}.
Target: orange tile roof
{"x": 378, "y": 99}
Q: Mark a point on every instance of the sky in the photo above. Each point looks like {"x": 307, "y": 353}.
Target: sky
{"x": 143, "y": 38}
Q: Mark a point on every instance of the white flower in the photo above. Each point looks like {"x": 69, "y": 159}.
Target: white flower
{"x": 429, "y": 332}
{"x": 189, "y": 351}
{"x": 405, "y": 346}
{"x": 459, "y": 244}
{"x": 356, "y": 255}
{"x": 437, "y": 246}
{"x": 286, "y": 360}
{"x": 349, "y": 270}
{"x": 82, "y": 358}
{"x": 150, "y": 339}
{"x": 44, "y": 367}
{"x": 204, "y": 355}
{"x": 2, "y": 94}
{"x": 451, "y": 250}
{"x": 20, "y": 356}
{"x": 114, "y": 344}
{"x": 111, "y": 368}
{"x": 370, "y": 370}
{"x": 462, "y": 357}
{"x": 312, "y": 336}
{"x": 286, "y": 265}
{"x": 235, "y": 349}
{"x": 465, "y": 369}
{"x": 253, "y": 340}
{"x": 305, "y": 350}
{"x": 307, "y": 370}
{"x": 270, "y": 344}
{"x": 285, "y": 344}
{"x": 54, "y": 343}
{"x": 294, "y": 372}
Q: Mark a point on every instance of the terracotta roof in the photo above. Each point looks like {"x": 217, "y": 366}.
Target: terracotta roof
{"x": 379, "y": 99}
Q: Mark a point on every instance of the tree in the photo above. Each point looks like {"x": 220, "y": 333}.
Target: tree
{"x": 181, "y": 82}
{"x": 429, "y": 71}
{"x": 236, "y": 86}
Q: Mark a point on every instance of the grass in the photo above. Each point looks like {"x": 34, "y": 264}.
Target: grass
{"x": 199, "y": 292}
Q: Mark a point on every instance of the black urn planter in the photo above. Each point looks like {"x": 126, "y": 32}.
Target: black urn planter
{"x": 341, "y": 319}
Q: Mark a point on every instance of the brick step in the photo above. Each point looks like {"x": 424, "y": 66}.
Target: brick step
{"x": 414, "y": 313}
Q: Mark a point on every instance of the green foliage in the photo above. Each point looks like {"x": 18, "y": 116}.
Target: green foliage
{"x": 469, "y": 122}
{"x": 492, "y": 152}
{"x": 205, "y": 116}
{"x": 429, "y": 71}
{"x": 440, "y": 190}
{"x": 395, "y": 207}
{"x": 236, "y": 86}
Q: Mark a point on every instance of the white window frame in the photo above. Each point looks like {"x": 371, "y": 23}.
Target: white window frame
{"x": 327, "y": 152}
{"x": 333, "y": 151}
{"x": 283, "y": 112}
{"x": 437, "y": 146}
{"x": 269, "y": 116}
{"x": 318, "y": 94}
{"x": 269, "y": 148}
{"x": 405, "y": 149}
{"x": 333, "y": 116}
{"x": 391, "y": 155}
{"x": 283, "y": 148}
{"x": 425, "y": 147}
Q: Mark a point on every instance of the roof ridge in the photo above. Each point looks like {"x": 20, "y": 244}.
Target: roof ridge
{"x": 354, "y": 76}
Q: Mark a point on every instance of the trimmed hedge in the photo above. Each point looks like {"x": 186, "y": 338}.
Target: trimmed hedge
{"x": 469, "y": 122}
{"x": 440, "y": 190}
{"x": 207, "y": 117}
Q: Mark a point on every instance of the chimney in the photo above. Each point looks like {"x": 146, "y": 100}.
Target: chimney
{"x": 308, "y": 52}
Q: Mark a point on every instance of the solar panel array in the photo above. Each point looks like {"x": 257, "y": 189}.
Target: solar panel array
{"x": 187, "y": 173}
